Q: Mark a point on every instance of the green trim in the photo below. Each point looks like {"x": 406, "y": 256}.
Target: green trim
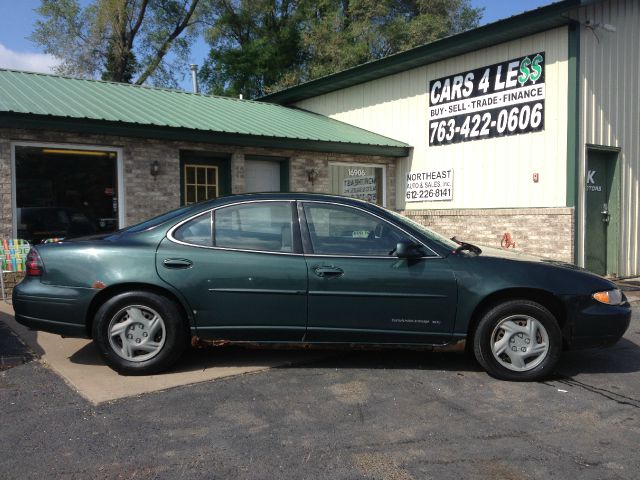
{"x": 614, "y": 233}
{"x": 611, "y": 156}
{"x": 222, "y": 160}
{"x": 573, "y": 132}
{"x": 285, "y": 185}
{"x": 573, "y": 114}
{"x": 284, "y": 168}
{"x": 615, "y": 205}
{"x": 99, "y": 127}
{"x": 528, "y": 23}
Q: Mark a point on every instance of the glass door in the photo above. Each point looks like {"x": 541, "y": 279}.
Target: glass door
{"x": 64, "y": 192}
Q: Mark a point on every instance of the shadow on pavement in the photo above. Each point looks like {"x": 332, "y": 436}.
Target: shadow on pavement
{"x": 195, "y": 359}
{"x": 624, "y": 357}
{"x": 396, "y": 359}
{"x": 13, "y": 351}
{"x": 238, "y": 356}
{"x": 29, "y": 337}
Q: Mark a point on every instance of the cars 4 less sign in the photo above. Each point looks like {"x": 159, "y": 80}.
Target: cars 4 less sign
{"x": 502, "y": 99}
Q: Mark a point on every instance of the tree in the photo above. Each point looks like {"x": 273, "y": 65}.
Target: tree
{"x": 267, "y": 45}
{"x": 253, "y": 44}
{"x": 119, "y": 40}
{"x": 342, "y": 34}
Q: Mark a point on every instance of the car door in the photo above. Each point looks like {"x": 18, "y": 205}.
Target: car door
{"x": 360, "y": 292}
{"x": 242, "y": 271}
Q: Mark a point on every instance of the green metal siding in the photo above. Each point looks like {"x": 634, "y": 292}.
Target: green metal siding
{"x": 63, "y": 99}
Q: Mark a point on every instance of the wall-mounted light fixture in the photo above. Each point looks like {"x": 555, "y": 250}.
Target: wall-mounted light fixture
{"x": 155, "y": 169}
{"x": 599, "y": 26}
{"x": 312, "y": 175}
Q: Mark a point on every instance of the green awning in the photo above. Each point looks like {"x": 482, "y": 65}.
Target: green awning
{"x": 32, "y": 100}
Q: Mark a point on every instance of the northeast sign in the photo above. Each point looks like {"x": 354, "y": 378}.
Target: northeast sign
{"x": 502, "y": 99}
{"x": 429, "y": 186}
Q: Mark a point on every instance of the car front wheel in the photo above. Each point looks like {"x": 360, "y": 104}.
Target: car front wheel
{"x": 139, "y": 333}
{"x": 518, "y": 340}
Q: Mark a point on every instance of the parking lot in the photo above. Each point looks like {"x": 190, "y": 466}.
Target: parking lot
{"x": 333, "y": 414}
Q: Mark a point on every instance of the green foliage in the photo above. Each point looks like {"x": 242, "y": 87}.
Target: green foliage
{"x": 263, "y": 46}
{"x": 119, "y": 40}
{"x": 254, "y": 42}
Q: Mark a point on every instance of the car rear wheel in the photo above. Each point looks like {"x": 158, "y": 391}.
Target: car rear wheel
{"x": 518, "y": 340}
{"x": 139, "y": 333}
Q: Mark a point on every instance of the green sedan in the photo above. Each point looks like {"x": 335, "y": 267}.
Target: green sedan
{"x": 311, "y": 269}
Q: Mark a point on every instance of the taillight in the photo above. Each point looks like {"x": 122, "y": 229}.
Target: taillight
{"x": 35, "y": 267}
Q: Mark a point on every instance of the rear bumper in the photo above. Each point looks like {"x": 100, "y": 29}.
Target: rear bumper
{"x": 592, "y": 324}
{"x": 60, "y": 310}
{"x": 51, "y": 326}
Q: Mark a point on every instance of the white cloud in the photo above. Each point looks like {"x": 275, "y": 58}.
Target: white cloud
{"x": 32, "y": 62}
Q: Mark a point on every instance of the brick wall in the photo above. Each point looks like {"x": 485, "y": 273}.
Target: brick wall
{"x": 146, "y": 197}
{"x": 5, "y": 188}
{"x": 546, "y": 232}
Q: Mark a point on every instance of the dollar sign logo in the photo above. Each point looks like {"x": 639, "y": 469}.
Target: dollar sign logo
{"x": 525, "y": 73}
{"x": 537, "y": 69}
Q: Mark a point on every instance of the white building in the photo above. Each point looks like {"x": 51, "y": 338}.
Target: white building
{"x": 523, "y": 131}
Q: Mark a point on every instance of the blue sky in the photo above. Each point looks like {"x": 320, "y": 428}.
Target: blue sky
{"x": 17, "y": 18}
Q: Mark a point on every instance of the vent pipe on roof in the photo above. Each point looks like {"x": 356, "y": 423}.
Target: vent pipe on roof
{"x": 194, "y": 78}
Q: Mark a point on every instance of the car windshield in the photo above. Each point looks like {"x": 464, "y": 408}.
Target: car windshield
{"x": 430, "y": 234}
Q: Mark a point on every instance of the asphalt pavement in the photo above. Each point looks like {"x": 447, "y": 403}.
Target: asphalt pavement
{"x": 349, "y": 415}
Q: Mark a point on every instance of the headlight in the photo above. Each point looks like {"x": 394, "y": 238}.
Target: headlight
{"x": 610, "y": 297}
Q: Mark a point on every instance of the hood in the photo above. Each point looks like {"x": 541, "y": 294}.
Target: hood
{"x": 527, "y": 257}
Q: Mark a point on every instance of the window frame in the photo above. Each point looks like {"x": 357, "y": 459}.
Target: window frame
{"x": 121, "y": 201}
{"x": 295, "y": 228}
{"x": 308, "y": 246}
{"x": 203, "y": 214}
{"x": 185, "y": 183}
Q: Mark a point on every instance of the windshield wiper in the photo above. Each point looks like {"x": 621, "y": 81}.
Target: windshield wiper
{"x": 466, "y": 246}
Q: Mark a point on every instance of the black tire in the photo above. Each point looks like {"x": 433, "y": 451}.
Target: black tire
{"x": 516, "y": 313}
{"x": 171, "y": 340}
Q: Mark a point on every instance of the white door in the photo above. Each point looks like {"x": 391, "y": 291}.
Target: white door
{"x": 261, "y": 176}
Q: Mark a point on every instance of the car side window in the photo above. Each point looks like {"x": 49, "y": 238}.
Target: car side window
{"x": 339, "y": 230}
{"x": 255, "y": 226}
{"x": 196, "y": 231}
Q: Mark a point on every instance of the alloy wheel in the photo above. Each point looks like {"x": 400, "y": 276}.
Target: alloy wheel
{"x": 137, "y": 333}
{"x": 519, "y": 343}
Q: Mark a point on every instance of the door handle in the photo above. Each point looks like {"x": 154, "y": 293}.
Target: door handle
{"x": 605, "y": 213}
{"x": 175, "y": 263}
{"x": 328, "y": 272}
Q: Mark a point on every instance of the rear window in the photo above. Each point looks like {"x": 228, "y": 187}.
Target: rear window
{"x": 155, "y": 221}
{"x": 196, "y": 231}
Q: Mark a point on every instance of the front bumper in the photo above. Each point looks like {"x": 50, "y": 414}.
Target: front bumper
{"x": 60, "y": 310}
{"x": 592, "y": 324}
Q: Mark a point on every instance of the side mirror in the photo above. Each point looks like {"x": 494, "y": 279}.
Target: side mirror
{"x": 406, "y": 249}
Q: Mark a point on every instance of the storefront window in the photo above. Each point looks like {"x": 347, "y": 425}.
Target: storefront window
{"x": 64, "y": 193}
{"x": 358, "y": 181}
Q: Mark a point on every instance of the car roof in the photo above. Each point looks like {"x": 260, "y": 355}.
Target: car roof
{"x": 196, "y": 209}
{"x": 245, "y": 197}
